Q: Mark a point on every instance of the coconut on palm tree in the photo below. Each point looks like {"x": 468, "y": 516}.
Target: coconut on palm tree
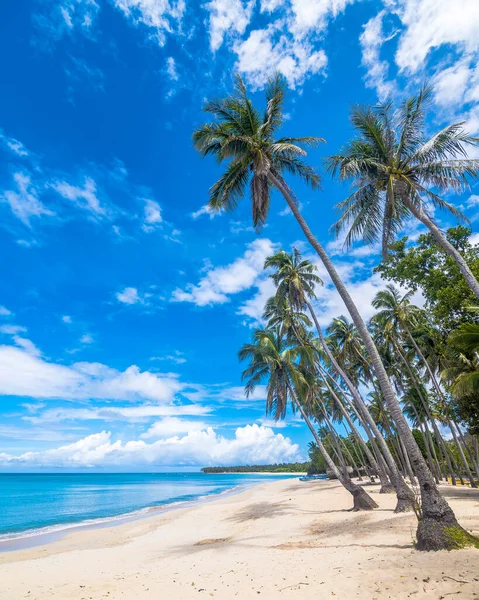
{"x": 395, "y": 167}
{"x": 258, "y": 162}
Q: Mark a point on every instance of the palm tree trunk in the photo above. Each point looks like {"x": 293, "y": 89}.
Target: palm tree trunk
{"x": 437, "y": 518}
{"x": 361, "y": 499}
{"x": 470, "y": 453}
{"x": 357, "y": 435}
{"x": 439, "y": 467}
{"x": 461, "y": 454}
{"x": 437, "y": 387}
{"x": 404, "y": 496}
{"x": 445, "y": 245}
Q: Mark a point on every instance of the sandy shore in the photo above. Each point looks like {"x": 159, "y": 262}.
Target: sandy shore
{"x": 282, "y": 539}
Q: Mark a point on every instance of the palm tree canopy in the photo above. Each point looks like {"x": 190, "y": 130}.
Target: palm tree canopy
{"x": 395, "y": 311}
{"x": 295, "y": 278}
{"x": 391, "y": 163}
{"x": 272, "y": 360}
{"x": 245, "y": 138}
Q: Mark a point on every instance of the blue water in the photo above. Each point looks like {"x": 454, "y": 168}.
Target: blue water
{"x": 50, "y": 502}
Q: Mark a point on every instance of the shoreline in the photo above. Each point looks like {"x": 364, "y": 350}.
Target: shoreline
{"x": 278, "y": 539}
{"x": 29, "y": 538}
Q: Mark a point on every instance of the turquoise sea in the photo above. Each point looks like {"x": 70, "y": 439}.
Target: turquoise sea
{"x": 46, "y": 503}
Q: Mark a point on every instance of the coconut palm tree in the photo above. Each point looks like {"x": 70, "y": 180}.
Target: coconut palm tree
{"x": 398, "y": 314}
{"x": 271, "y": 360}
{"x": 463, "y": 373}
{"x": 258, "y": 162}
{"x": 394, "y": 169}
{"x": 295, "y": 279}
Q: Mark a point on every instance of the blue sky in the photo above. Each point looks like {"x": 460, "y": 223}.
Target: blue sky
{"x": 124, "y": 302}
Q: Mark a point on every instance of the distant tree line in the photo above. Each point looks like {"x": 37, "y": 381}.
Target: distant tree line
{"x": 276, "y": 468}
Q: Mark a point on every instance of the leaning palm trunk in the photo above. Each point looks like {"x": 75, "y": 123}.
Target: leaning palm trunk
{"x": 386, "y": 486}
{"x": 404, "y": 495}
{"x": 362, "y": 500}
{"x": 448, "y": 248}
{"x": 437, "y": 387}
{"x": 438, "y": 528}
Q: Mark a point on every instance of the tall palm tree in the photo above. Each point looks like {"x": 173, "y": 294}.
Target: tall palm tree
{"x": 271, "y": 360}
{"x": 296, "y": 278}
{"x": 394, "y": 168}
{"x": 245, "y": 139}
{"x": 397, "y": 313}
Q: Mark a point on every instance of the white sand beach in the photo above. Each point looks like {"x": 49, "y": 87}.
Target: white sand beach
{"x": 283, "y": 539}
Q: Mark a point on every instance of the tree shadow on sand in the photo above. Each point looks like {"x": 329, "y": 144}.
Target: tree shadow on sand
{"x": 261, "y": 510}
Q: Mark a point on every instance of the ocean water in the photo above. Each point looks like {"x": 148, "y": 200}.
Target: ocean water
{"x": 44, "y": 503}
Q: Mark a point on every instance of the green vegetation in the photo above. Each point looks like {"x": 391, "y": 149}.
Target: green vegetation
{"x": 276, "y": 468}
{"x": 379, "y": 398}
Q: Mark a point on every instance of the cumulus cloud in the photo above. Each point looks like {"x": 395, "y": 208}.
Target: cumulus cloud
{"x": 24, "y": 373}
{"x": 251, "y": 444}
{"x": 430, "y": 24}
{"x": 227, "y": 16}
{"x": 269, "y": 50}
{"x": 129, "y": 295}
{"x": 4, "y": 312}
{"x": 221, "y": 282}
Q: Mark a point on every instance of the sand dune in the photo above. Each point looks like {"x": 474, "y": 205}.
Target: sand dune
{"x": 282, "y": 539}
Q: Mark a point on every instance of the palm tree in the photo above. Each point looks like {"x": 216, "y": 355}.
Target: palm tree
{"x": 296, "y": 279}
{"x": 394, "y": 168}
{"x": 464, "y": 372}
{"x": 399, "y": 314}
{"x": 271, "y": 360}
{"x": 240, "y": 135}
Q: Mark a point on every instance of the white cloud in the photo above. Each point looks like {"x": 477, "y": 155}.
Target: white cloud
{"x": 128, "y": 296}
{"x": 27, "y": 345}
{"x": 4, "y": 312}
{"x": 86, "y": 339}
{"x": 371, "y": 41}
{"x": 269, "y": 50}
{"x": 315, "y": 14}
{"x": 12, "y": 329}
{"x": 177, "y": 358}
{"x": 430, "y": 24}
{"x": 329, "y": 304}
{"x": 163, "y": 16}
{"x": 227, "y": 17}
{"x": 24, "y": 202}
{"x": 84, "y": 197}
{"x": 13, "y": 145}
{"x": 254, "y": 307}
{"x": 171, "y": 68}
{"x": 251, "y": 444}
{"x": 220, "y": 282}
{"x": 138, "y": 413}
{"x": 205, "y": 210}
{"x": 66, "y": 319}
{"x": 152, "y": 216}
{"x": 170, "y": 426}
{"x": 472, "y": 201}
{"x": 24, "y": 373}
